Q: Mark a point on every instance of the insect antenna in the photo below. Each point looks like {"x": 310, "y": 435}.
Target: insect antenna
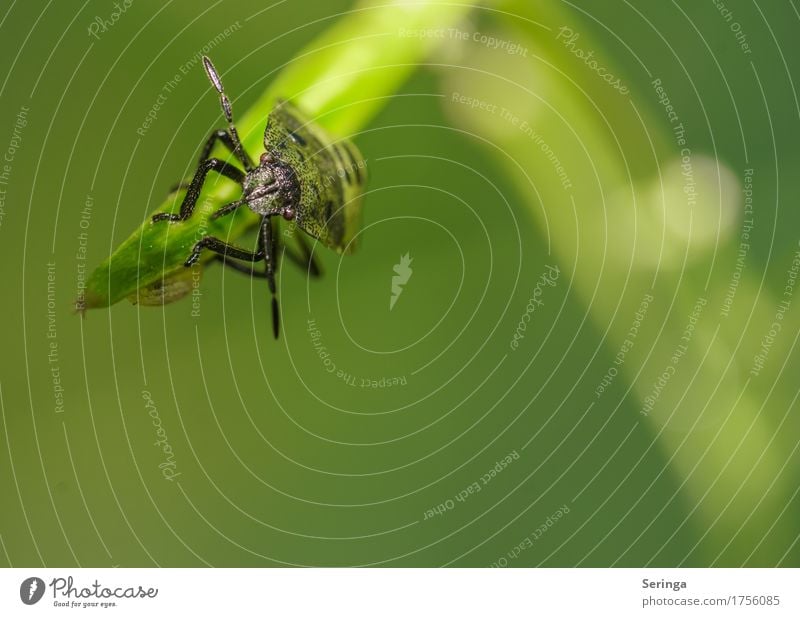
{"x": 214, "y": 78}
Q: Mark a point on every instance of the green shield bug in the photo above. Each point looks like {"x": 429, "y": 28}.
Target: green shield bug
{"x": 304, "y": 175}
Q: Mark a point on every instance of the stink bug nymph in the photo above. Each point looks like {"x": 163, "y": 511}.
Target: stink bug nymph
{"x": 304, "y": 175}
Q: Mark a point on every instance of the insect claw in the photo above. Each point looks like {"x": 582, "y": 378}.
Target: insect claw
{"x": 275, "y": 318}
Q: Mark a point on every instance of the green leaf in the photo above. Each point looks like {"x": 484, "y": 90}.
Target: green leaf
{"x": 341, "y": 79}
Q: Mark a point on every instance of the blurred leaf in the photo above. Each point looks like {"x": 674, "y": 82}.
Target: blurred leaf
{"x": 636, "y": 218}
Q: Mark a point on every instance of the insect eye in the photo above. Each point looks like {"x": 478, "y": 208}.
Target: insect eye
{"x": 288, "y": 213}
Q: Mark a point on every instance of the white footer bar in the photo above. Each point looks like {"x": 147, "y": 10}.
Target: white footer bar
{"x": 401, "y": 592}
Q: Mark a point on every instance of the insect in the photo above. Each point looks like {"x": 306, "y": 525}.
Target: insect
{"x": 304, "y": 175}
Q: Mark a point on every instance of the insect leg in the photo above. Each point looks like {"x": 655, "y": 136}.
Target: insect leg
{"x": 248, "y": 269}
{"x": 228, "y": 141}
{"x": 222, "y": 248}
{"x": 190, "y": 199}
{"x": 224, "y": 137}
{"x": 306, "y": 260}
{"x": 267, "y": 244}
{"x": 227, "y": 209}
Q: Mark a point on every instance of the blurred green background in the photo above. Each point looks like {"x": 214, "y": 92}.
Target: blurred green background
{"x": 596, "y": 437}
